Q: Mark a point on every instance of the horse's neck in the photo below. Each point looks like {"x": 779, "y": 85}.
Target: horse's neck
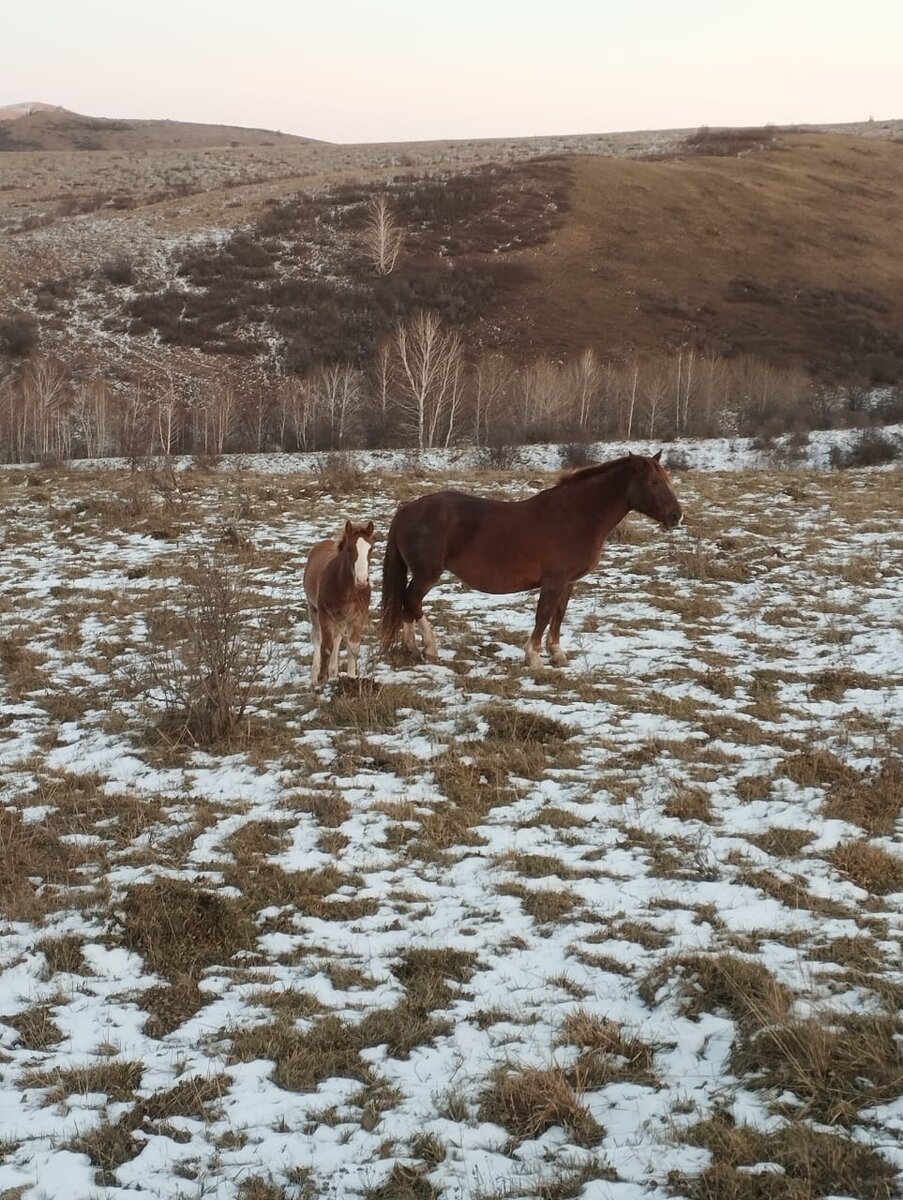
{"x": 604, "y": 499}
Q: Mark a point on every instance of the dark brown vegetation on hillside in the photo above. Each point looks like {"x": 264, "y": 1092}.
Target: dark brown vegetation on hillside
{"x": 300, "y": 275}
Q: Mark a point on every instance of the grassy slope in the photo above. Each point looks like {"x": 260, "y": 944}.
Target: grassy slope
{"x": 792, "y": 253}
{"x": 649, "y": 250}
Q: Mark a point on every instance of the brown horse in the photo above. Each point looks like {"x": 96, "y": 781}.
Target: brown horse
{"x": 547, "y": 541}
{"x": 337, "y": 585}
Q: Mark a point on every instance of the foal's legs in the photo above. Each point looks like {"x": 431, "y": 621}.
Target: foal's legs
{"x": 316, "y": 638}
{"x": 549, "y": 598}
{"x": 557, "y": 656}
{"x": 353, "y": 636}
{"x": 334, "y": 637}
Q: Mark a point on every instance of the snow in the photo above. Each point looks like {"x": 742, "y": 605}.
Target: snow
{"x": 643, "y": 725}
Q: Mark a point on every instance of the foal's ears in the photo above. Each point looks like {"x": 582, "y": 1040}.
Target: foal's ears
{"x": 368, "y": 529}
{"x": 349, "y": 529}
{"x": 656, "y": 457}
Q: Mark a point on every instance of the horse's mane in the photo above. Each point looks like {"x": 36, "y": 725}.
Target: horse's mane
{"x": 579, "y": 474}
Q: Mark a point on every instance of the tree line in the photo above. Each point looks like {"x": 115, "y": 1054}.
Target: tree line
{"x": 422, "y": 389}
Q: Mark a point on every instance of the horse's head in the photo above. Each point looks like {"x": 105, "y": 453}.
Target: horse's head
{"x": 356, "y": 542}
{"x": 650, "y": 491}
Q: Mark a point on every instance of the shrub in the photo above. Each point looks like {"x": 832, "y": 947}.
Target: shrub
{"x": 872, "y": 448}
{"x": 209, "y": 658}
{"x": 18, "y": 337}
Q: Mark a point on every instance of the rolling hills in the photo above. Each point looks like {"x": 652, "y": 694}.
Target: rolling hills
{"x": 154, "y": 256}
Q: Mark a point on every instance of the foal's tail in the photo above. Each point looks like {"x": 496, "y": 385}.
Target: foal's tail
{"x": 395, "y": 581}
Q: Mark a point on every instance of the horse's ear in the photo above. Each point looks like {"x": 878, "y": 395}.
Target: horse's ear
{"x": 656, "y": 457}
{"x": 368, "y": 532}
{"x": 349, "y": 529}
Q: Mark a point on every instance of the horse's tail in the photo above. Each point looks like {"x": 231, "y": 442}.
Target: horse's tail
{"x": 395, "y": 581}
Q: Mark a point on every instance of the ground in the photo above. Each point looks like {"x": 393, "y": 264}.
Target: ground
{"x": 628, "y": 929}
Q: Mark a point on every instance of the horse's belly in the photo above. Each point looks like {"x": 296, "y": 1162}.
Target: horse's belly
{"x": 497, "y": 577}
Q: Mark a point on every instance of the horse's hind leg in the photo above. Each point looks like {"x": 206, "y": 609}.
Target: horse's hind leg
{"x": 549, "y": 597}
{"x": 557, "y": 656}
{"x": 413, "y": 614}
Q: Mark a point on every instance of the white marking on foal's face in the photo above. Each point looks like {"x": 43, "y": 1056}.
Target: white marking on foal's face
{"x": 362, "y": 562}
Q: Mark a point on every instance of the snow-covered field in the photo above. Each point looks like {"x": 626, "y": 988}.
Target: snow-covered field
{"x": 627, "y": 929}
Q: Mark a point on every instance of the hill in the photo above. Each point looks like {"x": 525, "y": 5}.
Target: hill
{"x": 35, "y": 126}
{"x": 241, "y": 263}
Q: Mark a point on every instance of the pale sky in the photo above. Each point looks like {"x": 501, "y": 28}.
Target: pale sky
{"x": 402, "y": 70}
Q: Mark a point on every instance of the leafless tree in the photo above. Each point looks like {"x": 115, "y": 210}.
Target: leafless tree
{"x": 428, "y": 361}
{"x": 587, "y": 379}
{"x": 90, "y": 417}
{"x": 337, "y": 390}
{"x": 490, "y": 381}
{"x": 383, "y": 236}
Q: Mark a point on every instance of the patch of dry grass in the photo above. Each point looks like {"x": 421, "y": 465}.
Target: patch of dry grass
{"x": 869, "y": 866}
{"x": 811, "y": 1163}
{"x": 607, "y": 1053}
{"x": 873, "y": 802}
{"x": 742, "y": 987}
{"x": 835, "y": 1065}
{"x": 529, "y": 1100}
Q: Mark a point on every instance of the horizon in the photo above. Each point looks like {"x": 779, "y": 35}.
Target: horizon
{"x": 398, "y": 73}
{"x": 110, "y": 116}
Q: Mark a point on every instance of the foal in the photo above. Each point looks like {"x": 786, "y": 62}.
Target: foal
{"x": 337, "y": 585}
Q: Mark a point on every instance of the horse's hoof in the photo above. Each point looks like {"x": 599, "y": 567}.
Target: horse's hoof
{"x": 558, "y": 658}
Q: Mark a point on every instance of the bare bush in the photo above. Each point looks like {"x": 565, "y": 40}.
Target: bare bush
{"x": 871, "y": 448}
{"x": 211, "y": 657}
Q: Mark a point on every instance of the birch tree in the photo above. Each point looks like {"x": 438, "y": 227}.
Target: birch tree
{"x": 383, "y": 236}
{"x": 428, "y": 362}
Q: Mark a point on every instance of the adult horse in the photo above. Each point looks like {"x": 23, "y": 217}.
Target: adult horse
{"x": 547, "y": 541}
{"x": 337, "y": 586}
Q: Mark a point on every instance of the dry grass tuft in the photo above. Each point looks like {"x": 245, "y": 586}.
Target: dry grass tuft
{"x": 873, "y": 802}
{"x": 812, "y": 1164}
{"x": 782, "y": 842}
{"x": 303, "y": 1060}
{"x": 180, "y": 928}
{"x": 403, "y": 1183}
{"x": 817, "y": 768}
{"x": 834, "y": 1069}
{"x": 834, "y": 682}
{"x": 547, "y": 906}
{"x": 607, "y": 1053}
{"x": 64, "y": 955}
{"x": 869, "y": 866}
{"x": 36, "y": 1027}
{"x": 364, "y": 705}
{"x": 113, "y": 1079}
{"x": 690, "y": 804}
{"x": 706, "y": 983}
{"x": 529, "y": 1100}
{"x": 108, "y": 1147}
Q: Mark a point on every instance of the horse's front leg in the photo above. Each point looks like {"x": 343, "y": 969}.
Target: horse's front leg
{"x": 557, "y": 656}
{"x": 549, "y": 596}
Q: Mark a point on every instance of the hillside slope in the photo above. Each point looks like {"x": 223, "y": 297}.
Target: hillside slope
{"x": 164, "y": 262}
{"x": 795, "y": 253}
{"x": 49, "y": 128}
